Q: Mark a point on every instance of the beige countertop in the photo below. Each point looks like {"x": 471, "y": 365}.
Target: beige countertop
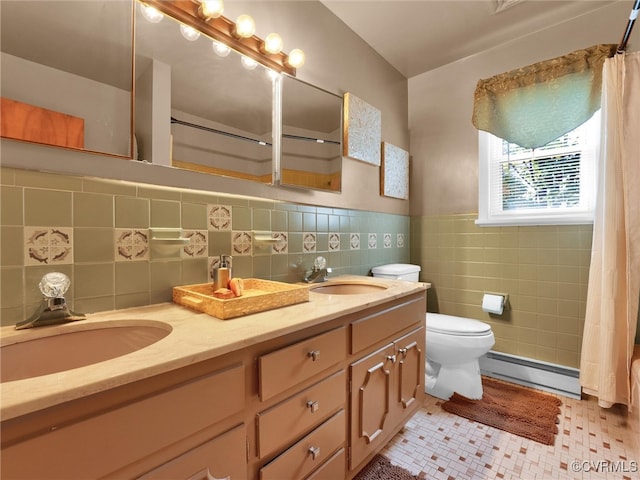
{"x": 194, "y": 337}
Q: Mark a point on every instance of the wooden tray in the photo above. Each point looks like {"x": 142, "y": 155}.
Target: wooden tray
{"x": 259, "y": 295}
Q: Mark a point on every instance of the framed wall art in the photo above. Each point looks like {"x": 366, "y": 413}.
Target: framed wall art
{"x": 362, "y": 130}
{"x": 394, "y": 172}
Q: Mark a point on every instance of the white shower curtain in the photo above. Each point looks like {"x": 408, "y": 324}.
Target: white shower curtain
{"x": 614, "y": 275}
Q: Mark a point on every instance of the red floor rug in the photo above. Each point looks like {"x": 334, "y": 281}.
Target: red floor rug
{"x": 512, "y": 408}
{"x": 380, "y": 468}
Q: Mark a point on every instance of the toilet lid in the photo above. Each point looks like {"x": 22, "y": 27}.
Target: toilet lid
{"x": 439, "y": 323}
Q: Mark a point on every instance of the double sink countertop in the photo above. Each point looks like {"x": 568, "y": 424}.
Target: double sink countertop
{"x": 194, "y": 337}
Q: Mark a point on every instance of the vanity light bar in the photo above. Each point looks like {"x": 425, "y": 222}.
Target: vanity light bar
{"x": 223, "y": 30}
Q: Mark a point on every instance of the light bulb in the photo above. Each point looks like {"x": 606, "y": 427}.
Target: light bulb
{"x": 245, "y": 26}
{"x": 273, "y": 43}
{"x": 272, "y": 74}
{"x": 248, "y": 63}
{"x": 296, "y": 58}
{"x": 211, "y": 8}
{"x": 221, "y": 49}
{"x": 151, "y": 14}
{"x": 189, "y": 33}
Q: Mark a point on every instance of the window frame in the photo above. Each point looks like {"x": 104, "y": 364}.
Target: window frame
{"x": 489, "y": 214}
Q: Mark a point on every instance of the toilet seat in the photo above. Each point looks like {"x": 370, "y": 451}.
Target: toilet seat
{"x": 447, "y": 324}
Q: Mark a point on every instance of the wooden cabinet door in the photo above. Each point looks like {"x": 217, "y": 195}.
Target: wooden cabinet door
{"x": 371, "y": 396}
{"x": 409, "y": 387}
{"x": 223, "y": 458}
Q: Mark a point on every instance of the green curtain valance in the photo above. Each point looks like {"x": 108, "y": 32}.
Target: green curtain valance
{"x": 533, "y": 105}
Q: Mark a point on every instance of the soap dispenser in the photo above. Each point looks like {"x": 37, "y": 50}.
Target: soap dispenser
{"x": 222, "y": 273}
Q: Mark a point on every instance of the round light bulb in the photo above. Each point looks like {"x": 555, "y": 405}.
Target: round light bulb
{"x": 211, "y": 8}
{"x": 151, "y": 14}
{"x": 296, "y": 58}
{"x": 245, "y": 26}
{"x": 273, "y": 43}
{"x": 189, "y": 33}
{"x": 221, "y": 49}
{"x": 248, "y": 63}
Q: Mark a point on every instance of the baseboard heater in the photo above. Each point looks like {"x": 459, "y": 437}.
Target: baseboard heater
{"x": 532, "y": 373}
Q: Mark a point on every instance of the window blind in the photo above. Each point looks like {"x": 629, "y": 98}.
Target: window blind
{"x": 555, "y": 183}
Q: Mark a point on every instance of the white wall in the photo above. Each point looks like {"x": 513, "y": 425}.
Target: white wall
{"x": 444, "y": 143}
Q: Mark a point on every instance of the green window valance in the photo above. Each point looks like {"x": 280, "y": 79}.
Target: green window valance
{"x": 533, "y": 105}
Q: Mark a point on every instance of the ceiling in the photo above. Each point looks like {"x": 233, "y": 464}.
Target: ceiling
{"x": 420, "y": 35}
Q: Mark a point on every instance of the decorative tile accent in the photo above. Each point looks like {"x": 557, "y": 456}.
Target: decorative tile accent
{"x": 334, "y": 242}
{"x": 354, "y": 241}
{"x": 372, "y": 241}
{"x": 283, "y": 243}
{"x": 131, "y": 245}
{"x": 394, "y": 172}
{"x": 198, "y": 243}
{"x": 362, "y": 130}
{"x": 386, "y": 240}
{"x": 241, "y": 243}
{"x": 48, "y": 246}
{"x": 400, "y": 240}
{"x": 308, "y": 242}
{"x": 219, "y": 217}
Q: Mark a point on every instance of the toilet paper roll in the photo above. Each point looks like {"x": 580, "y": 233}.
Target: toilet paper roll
{"x": 492, "y": 303}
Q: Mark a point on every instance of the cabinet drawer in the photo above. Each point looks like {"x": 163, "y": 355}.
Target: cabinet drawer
{"x": 284, "y": 368}
{"x": 309, "y": 453}
{"x": 102, "y": 444}
{"x": 223, "y": 457}
{"x": 333, "y": 469}
{"x": 280, "y": 425}
{"x": 381, "y": 325}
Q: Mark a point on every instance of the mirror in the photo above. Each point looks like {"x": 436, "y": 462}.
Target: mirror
{"x": 311, "y": 134}
{"x": 198, "y": 110}
{"x": 67, "y": 77}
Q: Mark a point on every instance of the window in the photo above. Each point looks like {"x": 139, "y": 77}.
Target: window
{"x": 553, "y": 184}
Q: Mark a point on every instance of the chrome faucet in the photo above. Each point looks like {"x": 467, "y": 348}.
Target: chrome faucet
{"x": 53, "y": 309}
{"x": 319, "y": 272}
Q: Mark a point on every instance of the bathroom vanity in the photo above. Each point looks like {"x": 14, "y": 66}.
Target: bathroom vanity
{"x": 312, "y": 390}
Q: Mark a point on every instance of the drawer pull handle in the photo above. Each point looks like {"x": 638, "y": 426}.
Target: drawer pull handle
{"x": 403, "y": 352}
{"x": 314, "y": 355}
{"x": 313, "y": 406}
{"x": 391, "y": 358}
{"x": 315, "y": 452}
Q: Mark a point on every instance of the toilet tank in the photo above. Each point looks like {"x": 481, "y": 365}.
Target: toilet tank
{"x": 397, "y": 271}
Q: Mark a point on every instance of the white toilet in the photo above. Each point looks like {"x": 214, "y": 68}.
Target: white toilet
{"x": 453, "y": 344}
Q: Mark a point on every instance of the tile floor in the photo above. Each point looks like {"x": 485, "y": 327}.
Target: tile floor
{"x": 592, "y": 443}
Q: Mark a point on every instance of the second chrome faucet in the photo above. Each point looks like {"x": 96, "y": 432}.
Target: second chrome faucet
{"x": 319, "y": 273}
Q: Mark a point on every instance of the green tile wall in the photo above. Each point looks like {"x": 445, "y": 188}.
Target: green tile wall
{"x": 543, "y": 269}
{"x": 92, "y": 209}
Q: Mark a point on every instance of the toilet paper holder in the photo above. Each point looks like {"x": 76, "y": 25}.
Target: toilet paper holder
{"x": 494, "y": 302}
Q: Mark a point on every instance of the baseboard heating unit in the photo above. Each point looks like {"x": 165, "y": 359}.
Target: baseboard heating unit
{"x": 532, "y": 373}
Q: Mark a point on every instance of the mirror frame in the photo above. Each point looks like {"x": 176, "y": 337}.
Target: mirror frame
{"x": 220, "y": 29}
{"x": 334, "y": 187}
